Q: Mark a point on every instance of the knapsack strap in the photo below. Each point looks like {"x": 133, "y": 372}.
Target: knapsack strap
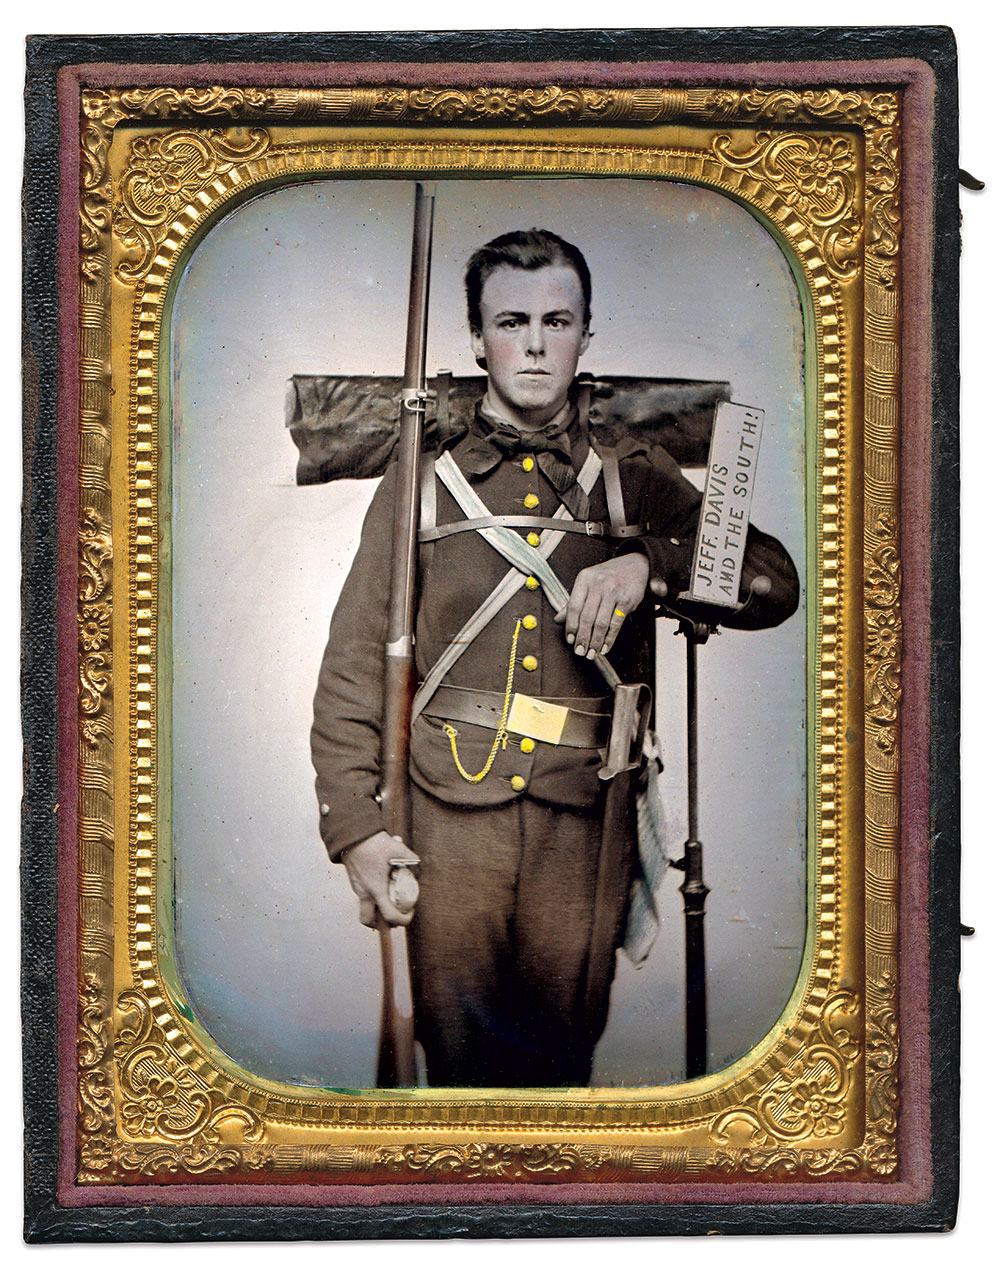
{"x": 533, "y": 521}
{"x": 613, "y": 493}
{"x": 428, "y": 481}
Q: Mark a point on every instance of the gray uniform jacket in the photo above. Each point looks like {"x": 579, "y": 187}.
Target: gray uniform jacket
{"x": 455, "y": 576}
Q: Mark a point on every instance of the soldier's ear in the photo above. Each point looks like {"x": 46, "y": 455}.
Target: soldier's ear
{"x": 478, "y": 346}
{"x": 585, "y": 341}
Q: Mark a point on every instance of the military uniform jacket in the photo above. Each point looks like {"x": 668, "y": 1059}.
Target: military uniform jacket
{"x": 455, "y": 576}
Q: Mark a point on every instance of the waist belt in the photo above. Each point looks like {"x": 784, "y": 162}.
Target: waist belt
{"x": 549, "y": 720}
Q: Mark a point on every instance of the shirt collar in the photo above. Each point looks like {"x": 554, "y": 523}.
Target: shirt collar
{"x": 489, "y": 439}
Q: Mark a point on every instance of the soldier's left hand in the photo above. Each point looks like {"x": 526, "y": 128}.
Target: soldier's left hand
{"x": 603, "y": 596}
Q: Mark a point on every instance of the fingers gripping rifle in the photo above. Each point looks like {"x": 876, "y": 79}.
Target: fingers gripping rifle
{"x": 396, "y": 1063}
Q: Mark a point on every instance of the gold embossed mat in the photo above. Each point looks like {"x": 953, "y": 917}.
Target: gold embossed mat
{"x": 827, "y": 1103}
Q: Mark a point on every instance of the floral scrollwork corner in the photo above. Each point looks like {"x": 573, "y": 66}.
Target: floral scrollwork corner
{"x": 808, "y": 1099}
{"x": 815, "y": 175}
{"x": 168, "y": 1122}
{"x": 162, "y": 1098}
{"x": 163, "y": 174}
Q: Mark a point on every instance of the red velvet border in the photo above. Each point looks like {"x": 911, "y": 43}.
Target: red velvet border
{"x": 914, "y": 1128}
{"x": 68, "y": 456}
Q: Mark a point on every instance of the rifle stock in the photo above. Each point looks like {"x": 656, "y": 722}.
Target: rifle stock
{"x": 396, "y": 1062}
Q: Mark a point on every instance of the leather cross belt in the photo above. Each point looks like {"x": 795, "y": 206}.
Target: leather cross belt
{"x": 550, "y": 720}
{"x": 588, "y": 528}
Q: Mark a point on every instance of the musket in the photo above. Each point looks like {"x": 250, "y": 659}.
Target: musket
{"x": 396, "y": 1061}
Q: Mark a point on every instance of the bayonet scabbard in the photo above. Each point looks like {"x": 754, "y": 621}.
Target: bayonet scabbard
{"x": 629, "y": 720}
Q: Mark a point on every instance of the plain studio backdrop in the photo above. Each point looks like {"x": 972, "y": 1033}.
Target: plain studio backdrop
{"x": 312, "y": 279}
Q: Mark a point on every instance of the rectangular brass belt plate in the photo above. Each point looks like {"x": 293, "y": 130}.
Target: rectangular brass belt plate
{"x": 534, "y": 718}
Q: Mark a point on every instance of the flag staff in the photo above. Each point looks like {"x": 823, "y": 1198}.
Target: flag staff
{"x": 694, "y": 890}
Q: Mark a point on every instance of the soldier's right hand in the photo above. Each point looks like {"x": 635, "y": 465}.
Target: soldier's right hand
{"x": 369, "y": 867}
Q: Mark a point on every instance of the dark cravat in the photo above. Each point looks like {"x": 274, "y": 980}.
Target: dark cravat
{"x": 551, "y": 448}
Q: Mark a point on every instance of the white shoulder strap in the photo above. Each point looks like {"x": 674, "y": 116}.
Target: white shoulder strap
{"x": 526, "y": 561}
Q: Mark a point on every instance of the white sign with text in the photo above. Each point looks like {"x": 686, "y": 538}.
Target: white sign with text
{"x": 725, "y": 509}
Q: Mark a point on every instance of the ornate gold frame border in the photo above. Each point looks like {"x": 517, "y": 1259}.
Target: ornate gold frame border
{"x": 152, "y": 1102}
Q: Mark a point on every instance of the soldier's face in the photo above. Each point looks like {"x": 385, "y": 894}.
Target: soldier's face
{"x": 532, "y": 337}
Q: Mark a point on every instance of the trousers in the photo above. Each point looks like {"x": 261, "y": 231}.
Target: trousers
{"x": 502, "y": 938}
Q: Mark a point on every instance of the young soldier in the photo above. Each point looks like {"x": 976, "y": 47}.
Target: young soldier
{"x": 507, "y": 826}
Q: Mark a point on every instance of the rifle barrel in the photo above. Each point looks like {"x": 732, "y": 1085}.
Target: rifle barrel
{"x": 399, "y": 641}
{"x": 396, "y": 1055}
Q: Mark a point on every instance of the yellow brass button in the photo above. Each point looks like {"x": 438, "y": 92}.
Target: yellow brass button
{"x": 529, "y": 663}
{"x": 527, "y": 745}
{"x": 534, "y": 540}
{"x": 517, "y": 782}
{"x": 529, "y": 622}
{"x": 528, "y": 463}
{"x": 531, "y": 583}
{"x": 530, "y": 501}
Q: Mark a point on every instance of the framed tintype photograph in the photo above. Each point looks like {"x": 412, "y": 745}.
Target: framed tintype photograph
{"x": 486, "y": 518}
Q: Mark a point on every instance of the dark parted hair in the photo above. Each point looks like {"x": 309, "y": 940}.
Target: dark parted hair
{"x": 528, "y": 249}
